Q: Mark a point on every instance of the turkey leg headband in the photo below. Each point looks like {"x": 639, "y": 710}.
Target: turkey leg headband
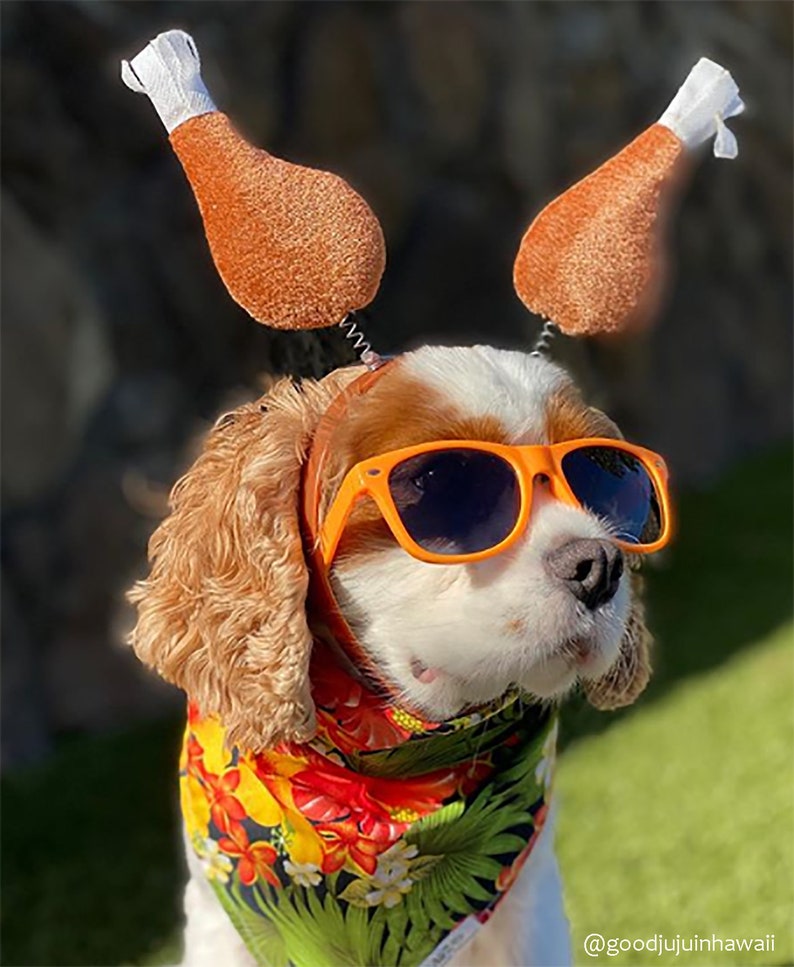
{"x": 298, "y": 249}
{"x": 593, "y": 261}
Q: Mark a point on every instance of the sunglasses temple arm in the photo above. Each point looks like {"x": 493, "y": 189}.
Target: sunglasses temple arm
{"x": 329, "y": 551}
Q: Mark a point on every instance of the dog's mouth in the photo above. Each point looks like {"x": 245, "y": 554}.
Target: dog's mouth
{"x": 423, "y": 673}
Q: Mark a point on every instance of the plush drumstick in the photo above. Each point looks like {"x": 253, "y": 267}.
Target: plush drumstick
{"x": 297, "y": 248}
{"x": 593, "y": 259}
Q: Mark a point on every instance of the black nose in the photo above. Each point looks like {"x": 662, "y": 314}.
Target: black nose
{"x": 591, "y": 569}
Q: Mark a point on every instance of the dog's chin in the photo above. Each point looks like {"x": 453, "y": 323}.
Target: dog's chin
{"x": 576, "y": 660}
{"x": 442, "y": 693}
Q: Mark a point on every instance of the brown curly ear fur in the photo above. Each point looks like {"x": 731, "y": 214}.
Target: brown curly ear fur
{"x": 626, "y": 680}
{"x": 222, "y": 613}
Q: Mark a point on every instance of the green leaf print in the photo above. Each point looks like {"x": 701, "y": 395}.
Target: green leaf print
{"x": 307, "y": 932}
{"x": 356, "y": 893}
{"x": 392, "y": 949}
{"x": 444, "y": 749}
{"x": 312, "y": 936}
{"x": 468, "y": 840}
{"x": 366, "y": 935}
{"x": 260, "y": 936}
{"x": 422, "y": 867}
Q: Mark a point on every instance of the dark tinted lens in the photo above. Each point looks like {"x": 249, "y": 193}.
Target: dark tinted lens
{"x": 616, "y": 486}
{"x": 456, "y": 501}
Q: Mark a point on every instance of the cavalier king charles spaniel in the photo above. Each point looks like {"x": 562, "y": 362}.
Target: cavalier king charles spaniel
{"x": 281, "y": 614}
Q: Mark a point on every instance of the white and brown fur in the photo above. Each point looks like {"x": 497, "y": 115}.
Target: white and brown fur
{"x": 223, "y": 613}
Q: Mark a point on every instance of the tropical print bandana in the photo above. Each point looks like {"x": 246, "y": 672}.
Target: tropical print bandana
{"x": 387, "y": 840}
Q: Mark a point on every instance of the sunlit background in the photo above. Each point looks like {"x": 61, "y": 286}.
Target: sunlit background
{"x": 458, "y": 122}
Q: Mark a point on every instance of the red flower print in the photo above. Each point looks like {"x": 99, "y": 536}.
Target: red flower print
{"x": 509, "y": 874}
{"x": 418, "y": 795}
{"x": 195, "y": 757}
{"x": 540, "y": 817}
{"x": 255, "y": 860}
{"x": 472, "y": 774}
{"x": 343, "y": 841}
{"x": 224, "y": 807}
{"x": 351, "y": 715}
{"x": 323, "y": 797}
{"x": 382, "y": 808}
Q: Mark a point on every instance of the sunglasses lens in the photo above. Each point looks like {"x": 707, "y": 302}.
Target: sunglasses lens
{"x": 457, "y": 501}
{"x": 616, "y": 486}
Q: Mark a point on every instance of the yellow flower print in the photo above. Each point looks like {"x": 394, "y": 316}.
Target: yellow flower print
{"x": 267, "y": 788}
{"x": 195, "y": 807}
{"x": 259, "y": 802}
{"x": 210, "y": 735}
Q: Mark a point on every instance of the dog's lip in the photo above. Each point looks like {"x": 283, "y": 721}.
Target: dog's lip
{"x": 423, "y": 673}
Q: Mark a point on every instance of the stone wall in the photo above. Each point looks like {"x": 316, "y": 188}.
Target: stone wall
{"x": 457, "y": 121}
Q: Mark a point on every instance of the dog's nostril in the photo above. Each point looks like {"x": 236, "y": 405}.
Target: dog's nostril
{"x": 591, "y": 569}
{"x": 583, "y": 570}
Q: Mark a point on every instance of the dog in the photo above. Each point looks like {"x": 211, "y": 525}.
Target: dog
{"x": 282, "y": 635}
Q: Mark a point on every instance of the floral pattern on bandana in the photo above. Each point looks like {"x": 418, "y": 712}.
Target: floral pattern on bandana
{"x": 374, "y": 842}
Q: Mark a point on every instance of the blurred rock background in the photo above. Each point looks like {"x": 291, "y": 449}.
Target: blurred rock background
{"x": 458, "y": 122}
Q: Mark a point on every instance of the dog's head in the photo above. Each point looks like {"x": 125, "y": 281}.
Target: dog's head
{"x": 223, "y": 612}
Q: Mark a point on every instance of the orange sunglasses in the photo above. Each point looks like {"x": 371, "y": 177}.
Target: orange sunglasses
{"x": 459, "y": 501}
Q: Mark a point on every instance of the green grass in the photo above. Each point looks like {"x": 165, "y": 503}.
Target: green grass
{"x": 677, "y": 816}
{"x": 91, "y": 855}
{"x": 681, "y": 821}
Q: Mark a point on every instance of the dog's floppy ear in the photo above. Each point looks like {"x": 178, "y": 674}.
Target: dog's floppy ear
{"x": 222, "y": 613}
{"x": 626, "y": 680}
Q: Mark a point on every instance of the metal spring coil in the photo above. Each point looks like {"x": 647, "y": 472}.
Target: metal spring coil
{"x": 544, "y": 339}
{"x": 365, "y": 351}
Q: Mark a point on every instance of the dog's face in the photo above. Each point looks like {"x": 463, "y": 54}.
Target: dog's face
{"x": 223, "y": 611}
{"x": 550, "y": 610}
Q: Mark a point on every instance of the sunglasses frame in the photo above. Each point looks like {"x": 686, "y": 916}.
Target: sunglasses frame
{"x": 370, "y": 478}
